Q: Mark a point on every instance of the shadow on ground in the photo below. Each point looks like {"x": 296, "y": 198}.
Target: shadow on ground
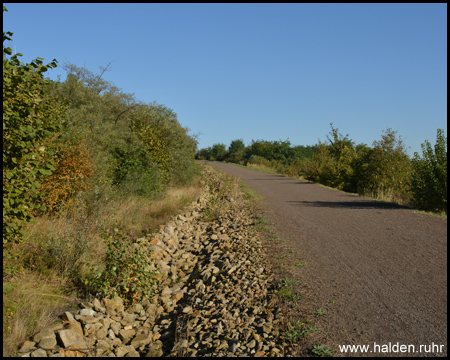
{"x": 349, "y": 204}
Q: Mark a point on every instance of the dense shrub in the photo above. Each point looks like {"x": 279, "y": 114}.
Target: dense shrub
{"x": 166, "y": 141}
{"x": 72, "y": 171}
{"x": 30, "y": 116}
{"x": 384, "y": 170}
{"x": 270, "y": 150}
{"x": 236, "y": 151}
{"x": 429, "y": 181}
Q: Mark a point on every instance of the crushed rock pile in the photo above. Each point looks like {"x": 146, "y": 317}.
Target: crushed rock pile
{"x": 215, "y": 298}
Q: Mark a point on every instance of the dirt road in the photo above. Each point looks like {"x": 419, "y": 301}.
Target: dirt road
{"x": 378, "y": 269}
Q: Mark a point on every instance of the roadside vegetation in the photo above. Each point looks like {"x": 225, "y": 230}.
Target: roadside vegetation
{"x": 383, "y": 171}
{"x": 87, "y": 169}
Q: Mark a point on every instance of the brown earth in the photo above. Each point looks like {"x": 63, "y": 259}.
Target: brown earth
{"x": 378, "y": 271}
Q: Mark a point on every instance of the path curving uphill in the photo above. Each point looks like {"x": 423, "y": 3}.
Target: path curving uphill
{"x": 384, "y": 267}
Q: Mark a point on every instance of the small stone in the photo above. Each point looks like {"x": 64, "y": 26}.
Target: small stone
{"x": 126, "y": 334}
{"x": 27, "y": 345}
{"x": 101, "y": 333}
{"x": 140, "y": 340}
{"x": 155, "y": 349}
{"x": 135, "y": 308}
{"x": 86, "y": 305}
{"x": 121, "y": 350}
{"x": 187, "y": 310}
{"x": 233, "y": 347}
{"x": 48, "y": 343}
{"x": 72, "y": 353}
{"x": 39, "y": 353}
{"x": 43, "y": 334}
{"x": 87, "y": 312}
{"x": 89, "y": 319}
{"x": 115, "y": 327}
{"x": 71, "y": 338}
{"x": 104, "y": 345}
{"x": 133, "y": 354}
{"x": 67, "y": 316}
{"x": 96, "y": 303}
{"x": 75, "y": 326}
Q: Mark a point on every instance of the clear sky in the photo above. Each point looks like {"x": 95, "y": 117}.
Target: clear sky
{"x": 259, "y": 71}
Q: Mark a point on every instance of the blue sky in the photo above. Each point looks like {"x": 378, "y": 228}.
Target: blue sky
{"x": 259, "y": 71}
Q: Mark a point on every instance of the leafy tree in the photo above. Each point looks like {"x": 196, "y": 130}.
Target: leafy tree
{"x": 236, "y": 146}
{"x": 429, "y": 180}
{"x": 218, "y": 152}
{"x": 301, "y": 152}
{"x": 236, "y": 151}
{"x": 384, "y": 169}
{"x": 270, "y": 150}
{"x": 204, "y": 154}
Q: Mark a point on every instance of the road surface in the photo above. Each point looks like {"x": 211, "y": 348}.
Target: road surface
{"x": 382, "y": 266}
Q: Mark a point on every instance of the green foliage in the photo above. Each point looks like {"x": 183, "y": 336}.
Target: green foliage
{"x": 320, "y": 312}
{"x": 429, "y": 183}
{"x": 297, "y": 331}
{"x": 218, "y": 152}
{"x": 30, "y": 116}
{"x": 136, "y": 173}
{"x": 166, "y": 141}
{"x": 203, "y": 154}
{"x": 236, "y": 146}
{"x": 276, "y": 154}
{"x": 331, "y": 165}
{"x": 127, "y": 272}
{"x": 236, "y": 151}
{"x": 384, "y": 169}
{"x": 322, "y": 350}
{"x": 136, "y": 148}
{"x": 270, "y": 150}
{"x": 258, "y": 160}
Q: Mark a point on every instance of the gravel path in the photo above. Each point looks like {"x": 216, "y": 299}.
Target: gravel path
{"x": 383, "y": 267}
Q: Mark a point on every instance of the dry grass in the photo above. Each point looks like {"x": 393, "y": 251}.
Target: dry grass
{"x": 262, "y": 168}
{"x": 140, "y": 216}
{"x": 55, "y": 253}
{"x": 31, "y": 302}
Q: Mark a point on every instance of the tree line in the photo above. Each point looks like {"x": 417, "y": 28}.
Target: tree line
{"x": 383, "y": 170}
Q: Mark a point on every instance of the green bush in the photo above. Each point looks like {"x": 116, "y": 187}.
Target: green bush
{"x": 166, "y": 141}
{"x": 30, "y": 116}
{"x": 429, "y": 180}
{"x": 385, "y": 170}
{"x": 127, "y": 272}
